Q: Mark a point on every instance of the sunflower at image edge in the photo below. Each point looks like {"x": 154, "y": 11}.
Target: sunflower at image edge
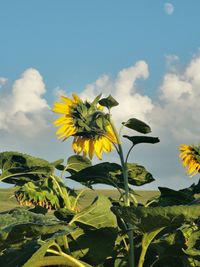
{"x": 89, "y": 143}
{"x": 190, "y": 156}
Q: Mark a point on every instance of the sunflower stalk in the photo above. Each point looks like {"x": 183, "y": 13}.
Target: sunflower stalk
{"x": 126, "y": 189}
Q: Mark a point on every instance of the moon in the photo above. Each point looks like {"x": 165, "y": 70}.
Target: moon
{"x": 169, "y": 8}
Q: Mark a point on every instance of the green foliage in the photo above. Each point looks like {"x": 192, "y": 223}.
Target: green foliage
{"x": 166, "y": 230}
{"x": 147, "y": 219}
{"x": 17, "y": 168}
{"x": 77, "y": 163}
{"x": 108, "y": 102}
{"x": 142, "y": 139}
{"x": 163, "y": 232}
{"x": 137, "y": 125}
{"x": 96, "y": 224}
{"x": 111, "y": 174}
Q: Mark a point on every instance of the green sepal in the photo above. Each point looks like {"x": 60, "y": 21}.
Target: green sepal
{"x": 96, "y": 100}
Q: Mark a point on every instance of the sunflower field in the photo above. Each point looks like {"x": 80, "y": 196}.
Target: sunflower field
{"x": 51, "y": 227}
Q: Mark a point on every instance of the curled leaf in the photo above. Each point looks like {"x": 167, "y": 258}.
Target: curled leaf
{"x": 108, "y": 102}
{"x": 142, "y": 139}
{"x": 137, "y": 125}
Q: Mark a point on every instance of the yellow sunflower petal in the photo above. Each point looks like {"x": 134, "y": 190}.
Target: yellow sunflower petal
{"x": 107, "y": 146}
{"x": 76, "y": 98}
{"x": 85, "y": 146}
{"x": 61, "y": 108}
{"x": 63, "y": 120}
{"x": 111, "y": 134}
{"x": 189, "y": 159}
{"x": 91, "y": 148}
{"x": 98, "y": 148}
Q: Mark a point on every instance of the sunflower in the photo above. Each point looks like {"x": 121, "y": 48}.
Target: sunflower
{"x": 87, "y": 123}
{"x": 190, "y": 156}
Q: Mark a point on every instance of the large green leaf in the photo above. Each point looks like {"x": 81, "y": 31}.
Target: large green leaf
{"x": 39, "y": 259}
{"x": 97, "y": 215}
{"x": 137, "y": 125}
{"x": 33, "y": 253}
{"x": 77, "y": 163}
{"x": 95, "y": 238}
{"x": 16, "y": 257}
{"x": 151, "y": 218}
{"x": 191, "y": 236}
{"x": 20, "y": 224}
{"x": 177, "y": 248}
{"x": 138, "y": 175}
{"x": 18, "y": 168}
{"x": 170, "y": 197}
{"x": 111, "y": 174}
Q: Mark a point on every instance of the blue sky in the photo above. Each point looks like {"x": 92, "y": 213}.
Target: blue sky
{"x": 47, "y": 47}
{"x": 73, "y": 42}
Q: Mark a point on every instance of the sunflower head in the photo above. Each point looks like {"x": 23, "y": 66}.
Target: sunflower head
{"x": 87, "y": 123}
{"x": 190, "y": 156}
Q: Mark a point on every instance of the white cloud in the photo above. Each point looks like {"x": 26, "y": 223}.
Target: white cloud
{"x": 26, "y": 119}
{"x": 2, "y": 81}
{"x": 169, "y": 8}
{"x": 23, "y": 109}
{"x": 178, "y": 108}
{"x": 124, "y": 89}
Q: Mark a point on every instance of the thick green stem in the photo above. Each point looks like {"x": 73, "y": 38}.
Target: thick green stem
{"x": 125, "y": 175}
{"x": 126, "y": 199}
{"x": 69, "y": 259}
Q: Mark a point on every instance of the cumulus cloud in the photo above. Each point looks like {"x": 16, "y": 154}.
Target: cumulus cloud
{"x": 124, "y": 89}
{"x": 23, "y": 109}
{"x": 26, "y": 119}
{"x": 178, "y": 108}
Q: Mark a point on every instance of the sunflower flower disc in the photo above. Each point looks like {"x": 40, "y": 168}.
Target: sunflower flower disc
{"x": 87, "y": 123}
{"x": 190, "y": 156}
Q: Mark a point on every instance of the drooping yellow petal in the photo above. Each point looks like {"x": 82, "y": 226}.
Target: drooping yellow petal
{"x": 98, "y": 148}
{"x": 91, "y": 148}
{"x": 106, "y": 144}
{"x": 110, "y": 133}
{"x": 189, "y": 159}
{"x": 86, "y": 146}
